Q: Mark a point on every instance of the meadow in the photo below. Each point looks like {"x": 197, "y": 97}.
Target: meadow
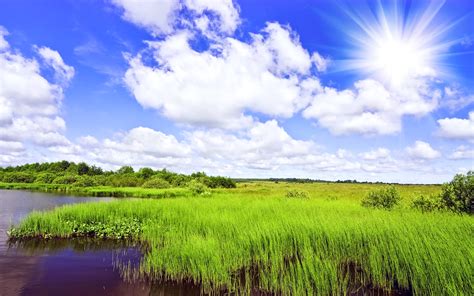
{"x": 256, "y": 238}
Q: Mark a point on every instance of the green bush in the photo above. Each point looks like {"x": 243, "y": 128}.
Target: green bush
{"x": 427, "y": 203}
{"x": 156, "y": 183}
{"x": 297, "y": 194}
{"x": 385, "y": 198}
{"x": 458, "y": 195}
{"x": 197, "y": 187}
{"x": 45, "y": 178}
{"x": 19, "y": 177}
{"x": 85, "y": 181}
{"x": 124, "y": 180}
{"x": 66, "y": 179}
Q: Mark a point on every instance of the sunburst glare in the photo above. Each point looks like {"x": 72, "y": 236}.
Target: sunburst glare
{"x": 397, "y": 43}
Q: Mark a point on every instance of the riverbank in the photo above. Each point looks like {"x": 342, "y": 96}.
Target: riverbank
{"x": 99, "y": 191}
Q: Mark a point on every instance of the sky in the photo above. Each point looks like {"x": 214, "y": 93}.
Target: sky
{"x": 321, "y": 89}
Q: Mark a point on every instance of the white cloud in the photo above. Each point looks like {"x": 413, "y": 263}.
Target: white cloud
{"x": 370, "y": 108}
{"x": 269, "y": 75}
{"x": 155, "y": 15}
{"x": 3, "y": 43}
{"x": 52, "y": 58}
{"x": 455, "y": 99}
{"x": 463, "y": 152}
{"x": 29, "y": 103}
{"x": 165, "y": 16}
{"x": 261, "y": 142}
{"x": 379, "y": 153}
{"x": 320, "y": 62}
{"x": 8, "y": 146}
{"x": 457, "y": 128}
{"x": 422, "y": 150}
{"x": 148, "y": 141}
{"x": 226, "y": 10}
{"x": 88, "y": 141}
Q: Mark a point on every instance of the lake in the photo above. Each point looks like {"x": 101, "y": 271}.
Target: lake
{"x": 66, "y": 267}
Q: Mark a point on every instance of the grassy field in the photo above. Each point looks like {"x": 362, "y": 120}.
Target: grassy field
{"x": 253, "y": 237}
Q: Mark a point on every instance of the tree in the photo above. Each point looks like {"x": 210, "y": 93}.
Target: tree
{"x": 126, "y": 169}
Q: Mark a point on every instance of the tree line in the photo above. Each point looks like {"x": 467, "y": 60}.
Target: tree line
{"x": 83, "y": 175}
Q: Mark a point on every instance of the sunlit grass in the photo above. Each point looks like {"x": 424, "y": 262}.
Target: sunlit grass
{"x": 254, "y": 236}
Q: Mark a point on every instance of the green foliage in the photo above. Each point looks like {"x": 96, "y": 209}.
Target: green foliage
{"x": 66, "y": 179}
{"x": 296, "y": 194}
{"x": 197, "y": 187}
{"x": 18, "y": 177}
{"x": 219, "y": 182}
{"x": 458, "y": 195}
{"x": 427, "y": 203}
{"x": 124, "y": 180}
{"x": 126, "y": 169}
{"x": 85, "y": 181}
{"x": 385, "y": 198}
{"x": 156, "y": 182}
{"x": 45, "y": 178}
{"x": 71, "y": 173}
{"x": 145, "y": 173}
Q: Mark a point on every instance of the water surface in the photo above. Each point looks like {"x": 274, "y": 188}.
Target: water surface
{"x": 65, "y": 267}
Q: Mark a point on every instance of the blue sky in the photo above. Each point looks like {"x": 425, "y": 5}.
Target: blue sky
{"x": 367, "y": 90}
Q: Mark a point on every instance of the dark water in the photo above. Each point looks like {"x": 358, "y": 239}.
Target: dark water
{"x": 65, "y": 267}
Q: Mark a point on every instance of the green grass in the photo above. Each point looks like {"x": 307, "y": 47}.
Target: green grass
{"x": 253, "y": 236}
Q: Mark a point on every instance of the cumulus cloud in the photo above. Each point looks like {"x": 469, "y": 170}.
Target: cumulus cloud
{"x": 369, "y": 108}
{"x": 165, "y": 16}
{"x": 457, "y": 128}
{"x": 422, "y": 150}
{"x": 29, "y": 103}
{"x": 379, "y": 153}
{"x": 215, "y": 87}
{"x": 463, "y": 152}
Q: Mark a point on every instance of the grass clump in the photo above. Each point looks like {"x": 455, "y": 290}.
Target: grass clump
{"x": 384, "y": 198}
{"x": 297, "y": 194}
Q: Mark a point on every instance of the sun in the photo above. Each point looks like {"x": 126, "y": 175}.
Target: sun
{"x": 396, "y": 59}
{"x": 396, "y": 47}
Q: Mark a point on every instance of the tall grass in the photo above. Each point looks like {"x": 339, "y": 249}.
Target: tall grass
{"x": 255, "y": 238}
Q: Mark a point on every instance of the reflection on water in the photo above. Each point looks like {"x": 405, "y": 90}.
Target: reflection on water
{"x": 67, "y": 267}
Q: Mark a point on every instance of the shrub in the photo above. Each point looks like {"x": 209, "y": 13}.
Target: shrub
{"x": 85, "y": 181}
{"x": 297, "y": 194}
{"x": 427, "y": 203}
{"x": 45, "y": 178}
{"x": 66, "y": 179}
{"x": 156, "y": 183}
{"x": 18, "y": 177}
{"x": 219, "y": 182}
{"x": 458, "y": 195}
{"x": 197, "y": 187}
{"x": 385, "y": 198}
{"x": 124, "y": 180}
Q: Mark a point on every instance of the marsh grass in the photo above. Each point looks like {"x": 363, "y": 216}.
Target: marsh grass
{"x": 253, "y": 237}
